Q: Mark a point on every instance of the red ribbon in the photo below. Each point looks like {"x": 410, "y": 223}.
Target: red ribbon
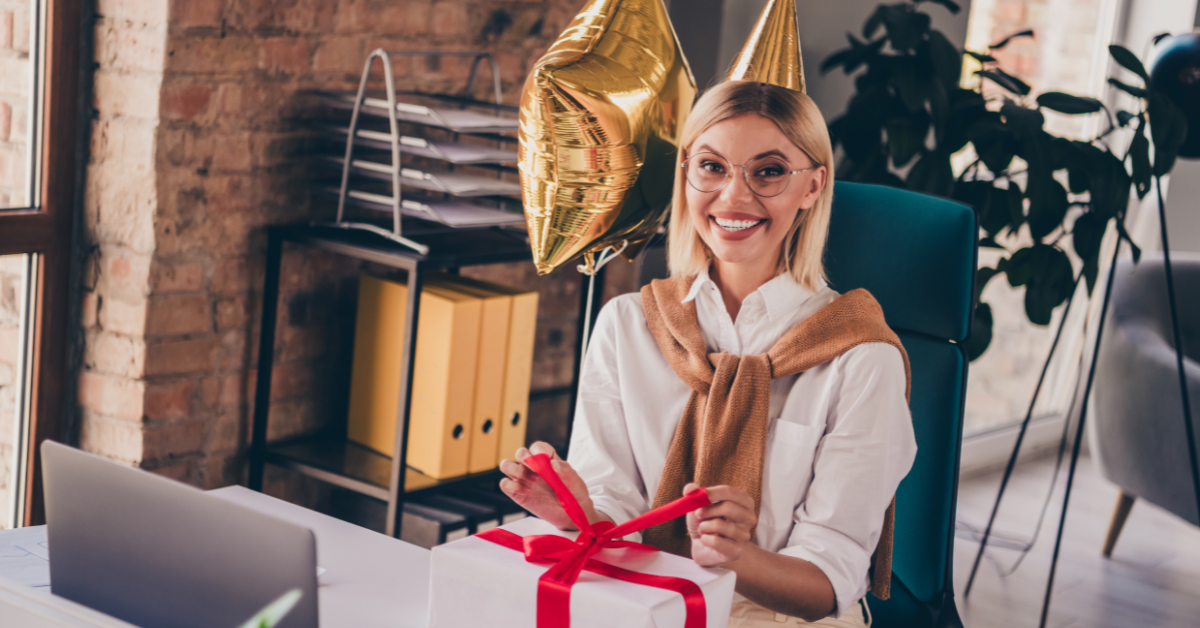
{"x": 570, "y": 558}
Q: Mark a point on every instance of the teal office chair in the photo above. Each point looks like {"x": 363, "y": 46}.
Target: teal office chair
{"x": 916, "y": 254}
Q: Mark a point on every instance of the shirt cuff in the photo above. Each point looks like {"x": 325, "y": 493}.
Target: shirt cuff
{"x": 839, "y": 558}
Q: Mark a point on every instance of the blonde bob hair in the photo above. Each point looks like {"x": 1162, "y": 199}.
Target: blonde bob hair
{"x": 799, "y": 119}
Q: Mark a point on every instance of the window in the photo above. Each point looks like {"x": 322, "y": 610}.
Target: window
{"x": 39, "y": 118}
{"x": 1068, "y": 52}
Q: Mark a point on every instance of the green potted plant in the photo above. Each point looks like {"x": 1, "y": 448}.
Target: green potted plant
{"x": 909, "y": 114}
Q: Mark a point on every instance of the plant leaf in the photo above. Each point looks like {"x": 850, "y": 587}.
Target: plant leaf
{"x": 1037, "y": 149}
{"x": 905, "y": 28}
{"x": 988, "y": 243}
{"x": 1086, "y": 235}
{"x": 982, "y": 277}
{"x": 945, "y": 57}
{"x": 906, "y": 137}
{"x": 1123, "y": 118}
{"x": 836, "y": 59}
{"x": 1128, "y": 60}
{"x": 1016, "y": 206}
{"x": 871, "y": 26}
{"x": 1050, "y": 283}
{"x": 1047, "y": 205}
{"x": 1023, "y": 122}
{"x": 1004, "y": 42}
{"x": 1135, "y": 249}
{"x": 990, "y": 210}
{"x": 906, "y": 80}
{"x": 1108, "y": 181}
{"x": 1005, "y": 80}
{"x": 1159, "y": 37}
{"x": 949, "y": 4}
{"x": 861, "y": 53}
{"x": 981, "y": 332}
{"x": 1139, "y": 155}
{"x": 1168, "y": 129}
{"x": 1019, "y": 267}
{"x": 1136, "y": 92}
{"x": 982, "y": 58}
{"x": 1066, "y": 103}
{"x": 932, "y": 174}
{"x": 993, "y": 143}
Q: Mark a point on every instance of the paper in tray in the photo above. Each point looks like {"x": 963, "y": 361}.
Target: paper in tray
{"x": 451, "y": 213}
{"x": 453, "y": 152}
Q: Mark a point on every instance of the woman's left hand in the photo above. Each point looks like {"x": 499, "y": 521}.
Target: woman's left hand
{"x": 720, "y": 531}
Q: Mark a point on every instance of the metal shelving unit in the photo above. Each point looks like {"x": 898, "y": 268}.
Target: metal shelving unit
{"x": 442, "y": 121}
{"x": 452, "y": 231}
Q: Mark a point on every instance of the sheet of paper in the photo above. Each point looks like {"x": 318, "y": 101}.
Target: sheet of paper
{"x": 24, "y": 556}
{"x": 35, "y": 547}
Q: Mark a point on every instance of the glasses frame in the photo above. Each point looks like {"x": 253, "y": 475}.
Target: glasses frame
{"x": 745, "y": 175}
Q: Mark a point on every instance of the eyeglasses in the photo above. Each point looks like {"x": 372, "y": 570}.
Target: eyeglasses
{"x": 766, "y": 176}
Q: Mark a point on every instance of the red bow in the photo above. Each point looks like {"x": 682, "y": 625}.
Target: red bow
{"x": 572, "y": 557}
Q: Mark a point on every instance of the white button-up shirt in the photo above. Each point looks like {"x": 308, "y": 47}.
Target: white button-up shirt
{"x": 840, "y": 437}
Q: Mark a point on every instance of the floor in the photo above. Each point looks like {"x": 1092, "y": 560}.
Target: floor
{"x": 1152, "y": 579}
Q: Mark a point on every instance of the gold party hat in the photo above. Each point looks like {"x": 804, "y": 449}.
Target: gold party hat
{"x": 772, "y": 53}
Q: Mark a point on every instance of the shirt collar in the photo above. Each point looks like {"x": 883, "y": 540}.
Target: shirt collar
{"x": 781, "y": 295}
{"x": 701, "y": 279}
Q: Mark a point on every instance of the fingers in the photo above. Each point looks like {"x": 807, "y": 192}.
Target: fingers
{"x": 518, "y": 472}
{"x": 730, "y": 505}
{"x": 728, "y": 549}
{"x": 723, "y": 528}
{"x": 727, "y": 510}
{"x": 543, "y": 448}
{"x": 730, "y": 494}
{"x": 514, "y": 490}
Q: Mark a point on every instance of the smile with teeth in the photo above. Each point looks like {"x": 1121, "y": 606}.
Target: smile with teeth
{"x": 737, "y": 225}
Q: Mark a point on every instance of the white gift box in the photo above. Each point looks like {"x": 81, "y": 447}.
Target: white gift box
{"x": 475, "y": 582}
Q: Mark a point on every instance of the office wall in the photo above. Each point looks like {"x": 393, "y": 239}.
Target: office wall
{"x": 711, "y": 44}
{"x": 198, "y": 143}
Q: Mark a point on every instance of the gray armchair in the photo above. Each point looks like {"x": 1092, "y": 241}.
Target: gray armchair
{"x": 1139, "y": 439}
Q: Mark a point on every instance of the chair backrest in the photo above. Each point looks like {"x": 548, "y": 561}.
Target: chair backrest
{"x": 917, "y": 255}
{"x": 1140, "y": 293}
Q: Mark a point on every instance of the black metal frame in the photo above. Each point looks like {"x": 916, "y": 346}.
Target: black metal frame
{"x": 318, "y": 456}
{"x": 1085, "y": 398}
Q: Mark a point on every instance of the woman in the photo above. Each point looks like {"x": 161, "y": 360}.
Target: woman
{"x": 800, "y": 404}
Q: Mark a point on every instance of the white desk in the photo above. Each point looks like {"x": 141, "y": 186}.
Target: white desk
{"x": 370, "y": 580}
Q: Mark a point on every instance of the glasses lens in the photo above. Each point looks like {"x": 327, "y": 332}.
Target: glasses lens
{"x": 768, "y": 176}
{"x": 707, "y": 172}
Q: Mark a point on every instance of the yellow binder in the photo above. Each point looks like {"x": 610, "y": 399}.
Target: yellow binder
{"x": 489, "y": 373}
{"x": 518, "y": 364}
{"x": 518, "y": 373}
{"x": 444, "y": 368}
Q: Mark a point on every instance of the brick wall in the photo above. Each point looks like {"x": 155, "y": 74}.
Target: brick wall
{"x": 14, "y": 101}
{"x": 1067, "y": 52}
{"x": 197, "y": 145}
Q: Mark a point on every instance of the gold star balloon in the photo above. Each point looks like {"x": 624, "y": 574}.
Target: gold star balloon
{"x": 601, "y": 115}
{"x": 772, "y": 52}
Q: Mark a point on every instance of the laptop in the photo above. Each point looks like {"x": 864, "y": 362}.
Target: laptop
{"x": 157, "y": 553}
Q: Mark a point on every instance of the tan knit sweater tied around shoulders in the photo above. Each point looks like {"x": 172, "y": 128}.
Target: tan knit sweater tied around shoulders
{"x": 722, "y": 437}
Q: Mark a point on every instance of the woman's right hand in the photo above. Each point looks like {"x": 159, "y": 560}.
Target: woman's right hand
{"x": 533, "y": 493}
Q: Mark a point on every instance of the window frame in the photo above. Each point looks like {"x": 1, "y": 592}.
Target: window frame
{"x": 44, "y": 230}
